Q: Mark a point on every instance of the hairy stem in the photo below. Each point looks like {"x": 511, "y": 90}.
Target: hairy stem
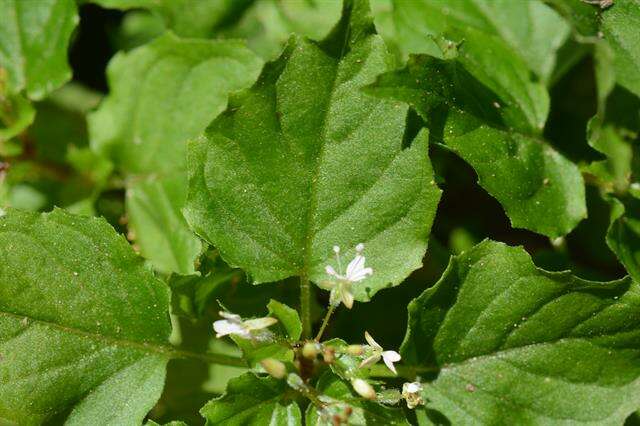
{"x": 325, "y": 321}
{"x": 305, "y": 306}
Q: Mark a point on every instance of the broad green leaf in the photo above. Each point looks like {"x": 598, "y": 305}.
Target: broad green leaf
{"x": 518, "y": 345}
{"x": 304, "y": 160}
{"x": 531, "y": 30}
{"x": 363, "y": 412}
{"x": 620, "y": 27}
{"x": 162, "y": 94}
{"x": 83, "y": 324}
{"x": 153, "y": 207}
{"x": 539, "y": 189}
{"x": 253, "y": 401}
{"x": 33, "y": 44}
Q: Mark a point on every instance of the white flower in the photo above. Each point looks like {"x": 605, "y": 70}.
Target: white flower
{"x": 341, "y": 285}
{"x": 389, "y": 357}
{"x": 412, "y": 393}
{"x": 233, "y": 324}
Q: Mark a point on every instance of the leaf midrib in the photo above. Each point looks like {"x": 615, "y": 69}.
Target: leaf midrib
{"x": 102, "y": 338}
{"x": 313, "y": 190}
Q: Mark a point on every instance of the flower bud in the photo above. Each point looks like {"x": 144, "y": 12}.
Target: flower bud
{"x": 363, "y": 388}
{"x": 355, "y": 350}
{"x": 295, "y": 382}
{"x": 310, "y": 350}
{"x": 274, "y": 368}
{"x": 329, "y": 355}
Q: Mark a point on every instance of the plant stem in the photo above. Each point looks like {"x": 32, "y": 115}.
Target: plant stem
{"x": 305, "y": 306}
{"x": 325, "y": 321}
{"x": 408, "y": 372}
{"x": 212, "y": 358}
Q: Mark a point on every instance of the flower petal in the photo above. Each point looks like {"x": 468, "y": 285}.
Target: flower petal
{"x": 370, "y": 361}
{"x": 230, "y": 316}
{"x": 361, "y": 274}
{"x": 392, "y": 356}
{"x": 389, "y": 364}
{"x": 329, "y": 270}
{"x": 225, "y": 327}
{"x": 371, "y": 341}
{"x": 259, "y": 323}
{"x": 355, "y": 266}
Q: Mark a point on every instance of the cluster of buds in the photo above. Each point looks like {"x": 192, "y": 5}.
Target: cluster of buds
{"x": 356, "y": 357}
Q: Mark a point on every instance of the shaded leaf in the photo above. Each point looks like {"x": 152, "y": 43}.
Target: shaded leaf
{"x": 162, "y": 94}
{"x": 33, "y": 44}
{"x": 153, "y": 207}
{"x": 539, "y": 189}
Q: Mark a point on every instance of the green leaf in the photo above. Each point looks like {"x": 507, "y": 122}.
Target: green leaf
{"x": 83, "y": 324}
{"x": 288, "y": 318}
{"x": 288, "y": 330}
{"x": 531, "y": 30}
{"x": 33, "y": 44}
{"x": 304, "y": 161}
{"x": 16, "y": 114}
{"x": 363, "y": 412}
{"x": 162, "y": 94}
{"x": 539, "y": 189}
{"x": 265, "y": 25}
{"x": 511, "y": 342}
{"x": 253, "y": 401}
{"x": 620, "y": 27}
{"x": 623, "y": 236}
{"x": 173, "y": 423}
{"x": 584, "y": 17}
{"x": 153, "y": 207}
{"x": 187, "y": 18}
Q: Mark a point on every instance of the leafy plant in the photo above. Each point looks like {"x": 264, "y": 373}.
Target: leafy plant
{"x": 238, "y": 218}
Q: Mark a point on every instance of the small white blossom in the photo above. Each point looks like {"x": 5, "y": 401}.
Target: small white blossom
{"x": 341, "y": 285}
{"x": 412, "y": 393}
{"x": 389, "y": 357}
{"x": 233, "y": 324}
